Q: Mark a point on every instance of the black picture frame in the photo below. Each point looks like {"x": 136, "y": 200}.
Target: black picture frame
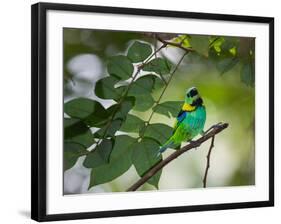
{"x": 39, "y": 122}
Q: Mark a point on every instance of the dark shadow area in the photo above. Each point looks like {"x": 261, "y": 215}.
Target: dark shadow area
{"x": 24, "y": 213}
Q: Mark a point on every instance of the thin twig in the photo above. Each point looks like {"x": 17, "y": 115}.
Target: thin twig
{"x": 210, "y": 45}
{"x": 152, "y": 171}
{"x": 152, "y": 55}
{"x": 166, "y": 86}
{"x": 179, "y": 45}
{"x": 208, "y": 162}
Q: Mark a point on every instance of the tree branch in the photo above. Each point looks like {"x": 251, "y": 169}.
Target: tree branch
{"x": 194, "y": 144}
{"x": 179, "y": 45}
{"x": 208, "y": 162}
{"x": 164, "y": 39}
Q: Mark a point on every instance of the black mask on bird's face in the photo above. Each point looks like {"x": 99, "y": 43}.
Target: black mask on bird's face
{"x": 192, "y": 97}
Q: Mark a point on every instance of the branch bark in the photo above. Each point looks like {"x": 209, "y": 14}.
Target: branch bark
{"x": 150, "y": 173}
{"x": 208, "y": 162}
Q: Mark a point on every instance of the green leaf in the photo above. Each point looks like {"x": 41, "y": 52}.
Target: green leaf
{"x": 119, "y": 113}
{"x": 132, "y": 124}
{"x": 90, "y": 111}
{"x": 144, "y": 157}
{"x": 143, "y": 102}
{"x": 183, "y": 40}
{"x": 120, "y": 67}
{"x": 72, "y": 151}
{"x": 225, "y": 65}
{"x": 247, "y": 74}
{"x": 228, "y": 44}
{"x": 159, "y": 132}
{"x": 122, "y": 109}
{"x": 105, "y": 88}
{"x": 109, "y": 129}
{"x": 139, "y": 52}
{"x": 200, "y": 44}
{"x": 216, "y": 43}
{"x": 168, "y": 108}
{"x": 158, "y": 65}
{"x": 233, "y": 51}
{"x": 100, "y": 155}
{"x": 76, "y": 131}
{"x": 142, "y": 85}
{"x": 158, "y": 83}
{"x": 119, "y": 162}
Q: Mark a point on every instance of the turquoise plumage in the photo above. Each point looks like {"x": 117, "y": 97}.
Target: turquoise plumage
{"x": 190, "y": 121}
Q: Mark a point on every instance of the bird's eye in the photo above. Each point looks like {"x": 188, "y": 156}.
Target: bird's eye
{"x": 188, "y": 95}
{"x": 193, "y": 92}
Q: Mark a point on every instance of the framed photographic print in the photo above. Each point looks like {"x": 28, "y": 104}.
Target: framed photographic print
{"x": 138, "y": 111}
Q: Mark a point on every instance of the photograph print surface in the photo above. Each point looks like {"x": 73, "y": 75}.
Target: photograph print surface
{"x": 132, "y": 100}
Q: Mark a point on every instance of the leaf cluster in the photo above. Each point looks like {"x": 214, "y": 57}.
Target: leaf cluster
{"x": 122, "y": 139}
{"x": 224, "y": 52}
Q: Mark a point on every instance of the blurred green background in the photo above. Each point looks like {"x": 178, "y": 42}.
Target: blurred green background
{"x": 226, "y": 97}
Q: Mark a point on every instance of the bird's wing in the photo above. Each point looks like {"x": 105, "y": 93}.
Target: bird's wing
{"x": 181, "y": 115}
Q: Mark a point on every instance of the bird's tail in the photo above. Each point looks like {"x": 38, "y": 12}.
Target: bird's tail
{"x": 169, "y": 143}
